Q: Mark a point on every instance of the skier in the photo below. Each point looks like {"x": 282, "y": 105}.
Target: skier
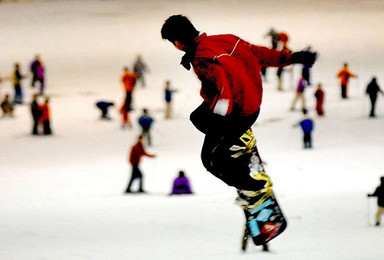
{"x": 229, "y": 69}
{"x": 344, "y": 74}
{"x": 145, "y": 122}
{"x": 181, "y": 185}
{"x": 137, "y": 151}
{"x": 140, "y": 68}
{"x": 379, "y": 193}
{"x": 372, "y": 90}
{"x": 306, "y": 125}
{"x": 319, "y": 95}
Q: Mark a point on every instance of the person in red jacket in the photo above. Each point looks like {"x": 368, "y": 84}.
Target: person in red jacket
{"x": 319, "y": 95}
{"x": 45, "y": 117}
{"x": 229, "y": 70}
{"x": 137, "y": 152}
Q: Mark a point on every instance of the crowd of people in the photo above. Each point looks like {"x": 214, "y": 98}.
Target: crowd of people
{"x": 40, "y": 110}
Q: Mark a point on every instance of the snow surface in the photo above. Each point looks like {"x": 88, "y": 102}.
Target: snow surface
{"x": 61, "y": 197}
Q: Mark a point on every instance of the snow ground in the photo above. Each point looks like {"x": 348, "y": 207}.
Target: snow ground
{"x": 61, "y": 196}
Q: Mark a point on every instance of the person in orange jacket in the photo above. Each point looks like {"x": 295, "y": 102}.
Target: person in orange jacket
{"x": 344, "y": 74}
{"x": 129, "y": 80}
{"x": 45, "y": 117}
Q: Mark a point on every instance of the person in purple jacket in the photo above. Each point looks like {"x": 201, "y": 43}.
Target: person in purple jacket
{"x": 181, "y": 185}
{"x": 37, "y": 70}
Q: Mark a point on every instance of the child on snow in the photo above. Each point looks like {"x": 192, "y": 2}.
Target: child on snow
{"x": 104, "y": 106}
{"x": 319, "y": 95}
{"x": 7, "y": 106}
{"x": 181, "y": 185}
{"x": 307, "y": 126}
{"x": 145, "y": 121}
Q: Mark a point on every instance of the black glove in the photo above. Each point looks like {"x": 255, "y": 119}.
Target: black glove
{"x": 304, "y": 57}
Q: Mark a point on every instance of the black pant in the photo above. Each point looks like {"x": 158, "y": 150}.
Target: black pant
{"x": 307, "y": 140}
{"x": 373, "y": 104}
{"x": 35, "y": 125}
{"x": 221, "y": 133}
{"x": 47, "y": 127}
{"x": 344, "y": 91}
{"x": 136, "y": 174}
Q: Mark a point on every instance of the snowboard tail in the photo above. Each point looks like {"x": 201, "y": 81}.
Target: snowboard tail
{"x": 265, "y": 219}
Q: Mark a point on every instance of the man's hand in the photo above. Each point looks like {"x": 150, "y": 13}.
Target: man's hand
{"x": 221, "y": 107}
{"x": 304, "y": 57}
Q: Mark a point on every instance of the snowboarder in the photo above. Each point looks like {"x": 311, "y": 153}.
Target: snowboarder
{"x": 104, "y": 106}
{"x": 344, "y": 74}
{"x": 181, "y": 185}
{"x": 372, "y": 90}
{"x": 229, "y": 69}
{"x": 145, "y": 122}
{"x": 306, "y": 125}
{"x": 137, "y": 152}
{"x": 319, "y": 95}
{"x": 140, "y": 68}
{"x": 379, "y": 193}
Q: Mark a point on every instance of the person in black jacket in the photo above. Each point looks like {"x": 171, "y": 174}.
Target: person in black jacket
{"x": 379, "y": 193}
{"x": 36, "y": 113}
{"x": 372, "y": 90}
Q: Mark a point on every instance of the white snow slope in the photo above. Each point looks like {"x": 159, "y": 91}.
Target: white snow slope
{"x": 61, "y": 197}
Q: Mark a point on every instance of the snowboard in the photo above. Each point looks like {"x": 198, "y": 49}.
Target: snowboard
{"x": 264, "y": 217}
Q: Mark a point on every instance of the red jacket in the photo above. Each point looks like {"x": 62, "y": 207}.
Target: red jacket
{"x": 229, "y": 68}
{"x": 45, "y": 113}
{"x": 129, "y": 79}
{"x": 137, "y": 151}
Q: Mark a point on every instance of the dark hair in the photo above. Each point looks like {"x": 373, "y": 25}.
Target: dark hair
{"x": 179, "y": 28}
